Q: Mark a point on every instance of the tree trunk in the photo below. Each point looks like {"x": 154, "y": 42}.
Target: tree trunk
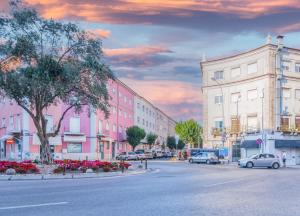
{"x": 46, "y": 156}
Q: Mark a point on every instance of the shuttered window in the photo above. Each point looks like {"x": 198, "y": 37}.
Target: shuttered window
{"x": 297, "y": 123}
{"x": 285, "y": 122}
{"x": 235, "y": 125}
{"x": 75, "y": 125}
{"x": 252, "y": 68}
{"x": 252, "y": 123}
{"x": 235, "y": 72}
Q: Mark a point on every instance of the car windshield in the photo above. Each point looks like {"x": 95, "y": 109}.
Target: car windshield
{"x": 131, "y": 153}
{"x": 253, "y": 156}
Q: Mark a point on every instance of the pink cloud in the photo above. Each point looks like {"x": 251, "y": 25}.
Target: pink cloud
{"x": 102, "y": 33}
{"x": 141, "y": 50}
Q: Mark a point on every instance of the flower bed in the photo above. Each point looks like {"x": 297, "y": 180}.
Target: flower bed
{"x": 82, "y": 166}
{"x": 25, "y": 167}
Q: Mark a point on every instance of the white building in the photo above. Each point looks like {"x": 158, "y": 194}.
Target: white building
{"x": 253, "y": 98}
{"x": 144, "y": 115}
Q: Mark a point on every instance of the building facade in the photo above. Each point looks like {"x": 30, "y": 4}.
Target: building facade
{"x": 84, "y": 135}
{"x": 252, "y": 102}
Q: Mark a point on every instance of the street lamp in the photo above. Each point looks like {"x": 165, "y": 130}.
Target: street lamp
{"x": 223, "y": 115}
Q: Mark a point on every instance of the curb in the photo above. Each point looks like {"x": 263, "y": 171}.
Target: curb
{"x": 70, "y": 176}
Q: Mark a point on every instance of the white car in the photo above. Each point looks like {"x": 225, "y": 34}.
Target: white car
{"x": 140, "y": 154}
{"x": 127, "y": 156}
{"x": 204, "y": 157}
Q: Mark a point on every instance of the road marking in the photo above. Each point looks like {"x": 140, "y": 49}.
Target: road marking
{"x": 222, "y": 183}
{"x": 32, "y": 206}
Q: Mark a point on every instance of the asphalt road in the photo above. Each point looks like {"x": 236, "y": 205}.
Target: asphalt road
{"x": 176, "y": 189}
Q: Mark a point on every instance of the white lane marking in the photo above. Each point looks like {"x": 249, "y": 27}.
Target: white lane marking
{"x": 225, "y": 182}
{"x": 32, "y": 206}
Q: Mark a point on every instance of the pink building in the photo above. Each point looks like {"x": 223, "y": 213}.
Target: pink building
{"x": 81, "y": 136}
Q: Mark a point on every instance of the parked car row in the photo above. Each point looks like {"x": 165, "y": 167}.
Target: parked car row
{"x": 142, "y": 154}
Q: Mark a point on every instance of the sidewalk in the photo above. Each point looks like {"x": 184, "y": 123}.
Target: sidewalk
{"x": 100, "y": 175}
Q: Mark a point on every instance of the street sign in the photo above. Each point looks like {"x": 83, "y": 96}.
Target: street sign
{"x": 259, "y": 141}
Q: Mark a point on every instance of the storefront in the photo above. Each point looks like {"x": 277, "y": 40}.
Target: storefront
{"x": 10, "y": 148}
{"x": 248, "y": 148}
{"x": 291, "y": 148}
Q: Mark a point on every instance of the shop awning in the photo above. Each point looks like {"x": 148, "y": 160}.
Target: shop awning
{"x": 6, "y": 137}
{"x": 52, "y": 140}
{"x": 74, "y": 138}
{"x": 249, "y": 144}
{"x": 287, "y": 143}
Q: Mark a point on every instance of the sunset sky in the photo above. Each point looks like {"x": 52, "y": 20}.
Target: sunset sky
{"x": 155, "y": 46}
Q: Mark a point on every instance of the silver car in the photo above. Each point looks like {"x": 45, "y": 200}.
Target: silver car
{"x": 260, "y": 160}
{"x": 127, "y": 156}
{"x": 204, "y": 157}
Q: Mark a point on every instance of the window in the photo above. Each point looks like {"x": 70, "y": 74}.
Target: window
{"x": 218, "y": 75}
{"x": 235, "y": 125}
{"x": 286, "y": 92}
{"x": 235, "y": 72}
{"x": 138, "y": 119}
{"x": 297, "y": 123}
{"x": 235, "y": 97}
{"x": 252, "y": 123}
{"x": 107, "y": 146}
{"x": 297, "y": 93}
{"x": 252, "y": 68}
{"x": 100, "y": 127}
{"x": 3, "y": 122}
{"x": 125, "y": 99}
{"x": 297, "y": 67}
{"x": 285, "y": 123}
{"x": 120, "y": 112}
{"x": 11, "y": 122}
{"x": 74, "y": 148}
{"x": 114, "y": 127}
{"x": 286, "y": 65}
{"x": 146, "y": 123}
{"x": 138, "y": 105}
{"x": 143, "y": 121}
{"x": 120, "y": 94}
{"x": 75, "y": 125}
{"x": 218, "y": 99}
{"x": 143, "y": 108}
{"x": 218, "y": 124}
{"x": 252, "y": 94}
{"x": 49, "y": 127}
{"x": 107, "y": 125}
{"x": 114, "y": 91}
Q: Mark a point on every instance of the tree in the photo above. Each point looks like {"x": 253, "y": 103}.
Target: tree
{"x": 57, "y": 63}
{"x": 151, "y": 137}
{"x": 180, "y": 145}
{"x": 190, "y": 132}
{"x": 134, "y": 136}
{"x": 171, "y": 142}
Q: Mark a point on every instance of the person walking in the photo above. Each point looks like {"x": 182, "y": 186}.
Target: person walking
{"x": 284, "y": 159}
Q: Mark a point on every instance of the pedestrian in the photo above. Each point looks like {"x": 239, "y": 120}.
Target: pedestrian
{"x": 284, "y": 159}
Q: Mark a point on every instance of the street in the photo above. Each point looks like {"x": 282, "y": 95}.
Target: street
{"x": 174, "y": 188}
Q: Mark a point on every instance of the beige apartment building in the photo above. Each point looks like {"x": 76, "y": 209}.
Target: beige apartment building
{"x": 251, "y": 102}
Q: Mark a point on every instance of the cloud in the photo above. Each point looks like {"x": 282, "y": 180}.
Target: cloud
{"x": 102, "y": 33}
{"x": 141, "y": 56}
{"x": 179, "y": 100}
{"x": 212, "y": 15}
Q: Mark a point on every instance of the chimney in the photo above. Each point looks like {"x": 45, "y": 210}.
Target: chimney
{"x": 280, "y": 41}
{"x": 269, "y": 39}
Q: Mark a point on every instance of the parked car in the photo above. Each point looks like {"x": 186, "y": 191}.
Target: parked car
{"x": 157, "y": 154}
{"x": 140, "y": 154}
{"x": 167, "y": 154}
{"x": 204, "y": 157}
{"x": 148, "y": 154}
{"x": 127, "y": 156}
{"x": 260, "y": 160}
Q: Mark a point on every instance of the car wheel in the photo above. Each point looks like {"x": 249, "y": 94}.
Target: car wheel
{"x": 275, "y": 165}
{"x": 208, "y": 162}
{"x": 191, "y": 161}
{"x": 249, "y": 165}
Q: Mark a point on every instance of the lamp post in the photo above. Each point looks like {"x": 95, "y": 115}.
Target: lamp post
{"x": 223, "y": 115}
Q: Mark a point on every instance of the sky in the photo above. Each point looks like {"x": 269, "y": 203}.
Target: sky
{"x": 155, "y": 46}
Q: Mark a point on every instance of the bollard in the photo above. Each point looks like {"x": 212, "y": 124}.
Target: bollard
{"x": 146, "y": 164}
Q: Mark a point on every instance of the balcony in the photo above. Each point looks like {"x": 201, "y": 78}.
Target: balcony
{"x": 216, "y": 132}
{"x": 285, "y": 129}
